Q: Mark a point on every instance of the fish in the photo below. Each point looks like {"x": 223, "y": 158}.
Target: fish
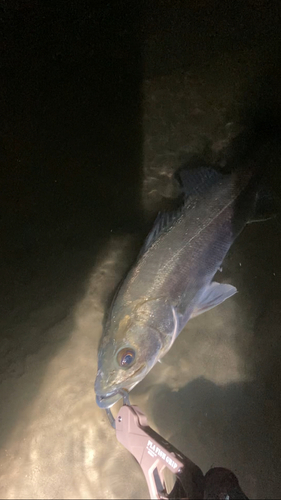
{"x": 171, "y": 280}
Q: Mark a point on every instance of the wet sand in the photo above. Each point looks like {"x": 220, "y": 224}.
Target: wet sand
{"x": 93, "y": 126}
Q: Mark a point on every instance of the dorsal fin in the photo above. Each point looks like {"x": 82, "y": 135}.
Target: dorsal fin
{"x": 196, "y": 181}
{"x": 162, "y": 223}
{"x": 193, "y": 182}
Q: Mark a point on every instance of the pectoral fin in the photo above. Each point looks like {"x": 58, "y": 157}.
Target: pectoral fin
{"x": 213, "y": 295}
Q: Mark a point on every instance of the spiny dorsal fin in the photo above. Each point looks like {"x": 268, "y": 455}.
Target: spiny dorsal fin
{"x": 162, "y": 223}
{"x": 197, "y": 180}
{"x": 193, "y": 182}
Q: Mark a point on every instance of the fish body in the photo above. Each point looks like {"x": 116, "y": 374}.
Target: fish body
{"x": 171, "y": 281}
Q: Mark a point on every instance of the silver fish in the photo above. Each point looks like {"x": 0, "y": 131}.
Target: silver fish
{"x": 171, "y": 281}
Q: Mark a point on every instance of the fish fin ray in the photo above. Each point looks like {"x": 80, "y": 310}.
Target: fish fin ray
{"x": 194, "y": 181}
{"x": 265, "y": 206}
{"x": 213, "y": 295}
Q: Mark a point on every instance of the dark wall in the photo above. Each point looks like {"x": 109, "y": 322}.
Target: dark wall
{"x": 70, "y": 126}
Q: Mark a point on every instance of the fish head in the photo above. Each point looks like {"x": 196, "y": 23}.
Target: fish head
{"x": 124, "y": 360}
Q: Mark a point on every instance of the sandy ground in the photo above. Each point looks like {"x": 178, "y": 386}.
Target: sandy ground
{"x": 216, "y": 396}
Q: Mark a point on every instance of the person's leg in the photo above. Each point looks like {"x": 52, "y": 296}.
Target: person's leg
{"x": 222, "y": 484}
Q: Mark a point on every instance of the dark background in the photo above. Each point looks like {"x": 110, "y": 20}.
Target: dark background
{"x": 71, "y": 144}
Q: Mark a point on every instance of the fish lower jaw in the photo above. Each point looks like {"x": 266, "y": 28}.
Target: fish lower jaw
{"x": 108, "y": 400}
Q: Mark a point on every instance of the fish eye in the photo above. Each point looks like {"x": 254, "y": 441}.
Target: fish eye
{"x": 126, "y": 357}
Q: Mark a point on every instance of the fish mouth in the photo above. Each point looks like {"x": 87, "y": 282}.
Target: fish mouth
{"x": 109, "y": 399}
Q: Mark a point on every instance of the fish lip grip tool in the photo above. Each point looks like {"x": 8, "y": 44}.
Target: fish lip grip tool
{"x": 154, "y": 454}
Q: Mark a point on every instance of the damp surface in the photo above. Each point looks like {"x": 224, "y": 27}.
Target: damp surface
{"x": 99, "y": 107}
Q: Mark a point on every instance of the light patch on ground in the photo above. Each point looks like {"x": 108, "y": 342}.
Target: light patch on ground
{"x": 206, "y": 348}
{"x": 63, "y": 446}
